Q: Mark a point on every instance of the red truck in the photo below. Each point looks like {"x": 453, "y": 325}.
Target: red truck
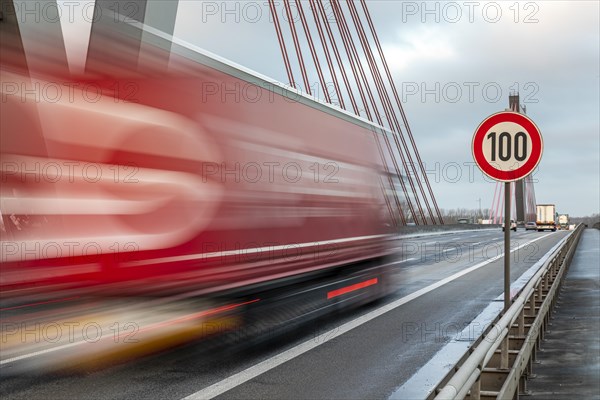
{"x": 203, "y": 177}
{"x": 165, "y": 192}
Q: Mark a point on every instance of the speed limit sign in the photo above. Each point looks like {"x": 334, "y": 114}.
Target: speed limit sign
{"x": 507, "y": 146}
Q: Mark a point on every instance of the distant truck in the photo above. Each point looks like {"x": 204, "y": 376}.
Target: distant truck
{"x": 563, "y": 221}
{"x": 546, "y": 217}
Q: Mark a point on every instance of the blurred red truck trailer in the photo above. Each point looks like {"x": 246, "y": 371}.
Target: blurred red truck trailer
{"x": 203, "y": 176}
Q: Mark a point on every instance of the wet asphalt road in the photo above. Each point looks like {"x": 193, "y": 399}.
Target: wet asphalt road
{"x": 370, "y": 361}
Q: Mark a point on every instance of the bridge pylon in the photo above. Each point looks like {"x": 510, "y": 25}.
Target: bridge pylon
{"x": 524, "y": 194}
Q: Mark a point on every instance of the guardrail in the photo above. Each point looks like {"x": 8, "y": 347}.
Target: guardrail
{"x": 500, "y": 363}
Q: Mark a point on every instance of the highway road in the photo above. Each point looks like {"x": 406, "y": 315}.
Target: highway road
{"x": 441, "y": 283}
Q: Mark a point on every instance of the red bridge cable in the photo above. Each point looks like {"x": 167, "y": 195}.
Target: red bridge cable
{"x": 500, "y": 204}
{"x": 344, "y": 26}
{"x": 323, "y": 16}
{"x": 387, "y": 102}
{"x": 493, "y": 202}
{"x": 389, "y": 112}
{"x": 320, "y": 14}
{"x": 399, "y": 104}
{"x": 351, "y": 50}
{"x": 327, "y": 56}
{"x": 356, "y": 67}
{"x": 358, "y": 72}
{"x": 288, "y": 11}
{"x": 323, "y": 84}
{"x": 282, "y": 46}
{"x": 421, "y": 165}
{"x": 313, "y": 52}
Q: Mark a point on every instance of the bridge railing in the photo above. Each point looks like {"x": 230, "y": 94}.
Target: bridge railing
{"x": 500, "y": 363}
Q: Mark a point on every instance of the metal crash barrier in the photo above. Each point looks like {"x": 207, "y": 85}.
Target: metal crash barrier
{"x": 501, "y": 362}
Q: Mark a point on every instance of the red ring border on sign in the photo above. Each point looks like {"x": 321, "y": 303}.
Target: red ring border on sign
{"x": 529, "y": 126}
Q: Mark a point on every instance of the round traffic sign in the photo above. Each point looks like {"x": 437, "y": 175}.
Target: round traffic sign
{"x": 507, "y": 146}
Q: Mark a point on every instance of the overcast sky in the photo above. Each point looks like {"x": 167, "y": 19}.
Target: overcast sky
{"x": 454, "y": 63}
{"x": 547, "y": 50}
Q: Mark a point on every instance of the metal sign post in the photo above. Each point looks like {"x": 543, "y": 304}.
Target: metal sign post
{"x": 507, "y": 196}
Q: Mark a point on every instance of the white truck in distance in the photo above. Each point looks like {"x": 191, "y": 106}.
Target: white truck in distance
{"x": 546, "y": 217}
{"x": 563, "y": 221}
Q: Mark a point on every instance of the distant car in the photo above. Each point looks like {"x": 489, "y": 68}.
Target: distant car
{"x": 531, "y": 226}
{"x": 513, "y": 226}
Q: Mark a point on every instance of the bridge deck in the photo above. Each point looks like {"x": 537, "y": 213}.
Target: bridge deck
{"x": 569, "y": 363}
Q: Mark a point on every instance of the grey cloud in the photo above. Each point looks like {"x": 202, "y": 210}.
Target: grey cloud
{"x": 559, "y": 55}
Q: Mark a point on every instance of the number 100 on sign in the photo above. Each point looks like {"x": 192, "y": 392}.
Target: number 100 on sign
{"x": 504, "y": 147}
{"x": 507, "y": 146}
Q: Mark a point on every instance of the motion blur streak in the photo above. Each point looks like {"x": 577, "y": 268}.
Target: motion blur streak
{"x": 191, "y": 181}
{"x": 111, "y": 338}
{"x": 39, "y": 303}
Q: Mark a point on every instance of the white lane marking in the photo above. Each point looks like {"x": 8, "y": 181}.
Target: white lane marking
{"x": 403, "y": 261}
{"x": 41, "y": 352}
{"x": 287, "y": 355}
{"x": 450, "y": 249}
